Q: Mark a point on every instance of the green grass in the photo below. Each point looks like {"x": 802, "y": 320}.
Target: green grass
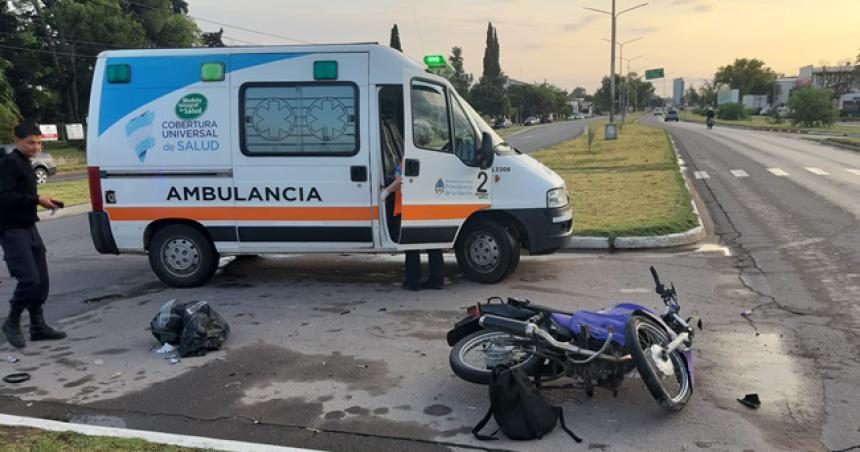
{"x": 71, "y": 192}
{"x": 68, "y": 158}
{"x": 762, "y": 122}
{"x": 631, "y": 186}
{"x": 510, "y": 130}
{"x": 17, "y": 439}
{"x": 847, "y": 141}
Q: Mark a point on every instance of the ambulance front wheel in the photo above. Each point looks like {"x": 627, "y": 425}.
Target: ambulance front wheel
{"x": 487, "y": 251}
{"x": 182, "y": 256}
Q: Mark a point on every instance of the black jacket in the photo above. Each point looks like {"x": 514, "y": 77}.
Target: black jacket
{"x": 18, "y": 198}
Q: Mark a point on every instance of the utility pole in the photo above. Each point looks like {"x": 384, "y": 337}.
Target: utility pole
{"x": 614, "y": 17}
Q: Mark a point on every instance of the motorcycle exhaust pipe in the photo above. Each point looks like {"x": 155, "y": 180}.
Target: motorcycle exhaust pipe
{"x": 512, "y": 326}
{"x": 526, "y": 329}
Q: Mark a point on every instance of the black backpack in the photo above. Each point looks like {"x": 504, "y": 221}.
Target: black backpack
{"x": 521, "y": 412}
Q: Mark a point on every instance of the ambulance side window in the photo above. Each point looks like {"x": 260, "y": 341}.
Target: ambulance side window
{"x": 299, "y": 119}
{"x": 430, "y": 129}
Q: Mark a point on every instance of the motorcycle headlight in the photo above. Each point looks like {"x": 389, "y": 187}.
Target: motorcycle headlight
{"x": 557, "y": 197}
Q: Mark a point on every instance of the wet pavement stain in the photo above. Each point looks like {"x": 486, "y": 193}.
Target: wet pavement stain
{"x": 112, "y": 351}
{"x": 358, "y": 411}
{"x": 335, "y": 415}
{"x": 380, "y": 411}
{"x": 437, "y": 410}
{"x": 465, "y": 430}
{"x": 14, "y": 391}
{"x": 79, "y": 381}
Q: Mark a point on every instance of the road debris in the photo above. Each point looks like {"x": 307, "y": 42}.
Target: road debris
{"x": 11, "y": 359}
{"x": 16, "y": 378}
{"x": 166, "y": 348}
{"x": 751, "y": 400}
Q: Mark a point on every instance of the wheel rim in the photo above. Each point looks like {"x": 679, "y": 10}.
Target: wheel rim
{"x": 483, "y": 252}
{"x": 671, "y": 373}
{"x": 181, "y": 256}
{"x": 41, "y": 177}
{"x": 487, "y": 350}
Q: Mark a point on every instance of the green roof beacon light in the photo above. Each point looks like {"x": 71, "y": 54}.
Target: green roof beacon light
{"x": 325, "y": 70}
{"x": 118, "y": 73}
{"x": 435, "y": 61}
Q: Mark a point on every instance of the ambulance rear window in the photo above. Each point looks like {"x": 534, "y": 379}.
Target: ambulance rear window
{"x": 300, "y": 119}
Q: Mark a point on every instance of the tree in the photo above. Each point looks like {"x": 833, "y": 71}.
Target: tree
{"x": 812, "y": 107}
{"x": 394, "y": 41}
{"x": 840, "y": 79}
{"x": 578, "y": 93}
{"x": 708, "y": 94}
{"x": 693, "y": 97}
{"x": 164, "y": 27}
{"x": 492, "y": 68}
{"x": 460, "y": 79}
{"x": 8, "y": 110}
{"x": 490, "y": 99}
{"x": 748, "y": 76}
{"x": 213, "y": 38}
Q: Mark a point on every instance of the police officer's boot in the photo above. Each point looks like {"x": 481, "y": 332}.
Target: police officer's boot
{"x": 12, "y": 328}
{"x": 39, "y": 330}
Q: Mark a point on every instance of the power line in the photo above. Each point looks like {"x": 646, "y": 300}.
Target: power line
{"x": 263, "y": 33}
{"x": 5, "y": 46}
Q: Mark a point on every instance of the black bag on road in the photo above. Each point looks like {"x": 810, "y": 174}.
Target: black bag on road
{"x": 195, "y": 327}
{"x": 522, "y": 414}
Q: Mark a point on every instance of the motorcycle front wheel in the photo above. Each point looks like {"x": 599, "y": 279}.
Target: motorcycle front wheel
{"x": 668, "y": 380}
{"x": 474, "y": 356}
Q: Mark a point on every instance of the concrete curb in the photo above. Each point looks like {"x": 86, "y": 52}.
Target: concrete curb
{"x": 647, "y": 242}
{"x": 197, "y": 442}
{"x": 847, "y": 147}
{"x": 67, "y": 212}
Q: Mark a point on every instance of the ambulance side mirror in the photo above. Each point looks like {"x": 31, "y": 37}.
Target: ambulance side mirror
{"x": 487, "y": 152}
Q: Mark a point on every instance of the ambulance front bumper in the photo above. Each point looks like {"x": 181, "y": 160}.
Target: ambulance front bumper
{"x": 547, "y": 229}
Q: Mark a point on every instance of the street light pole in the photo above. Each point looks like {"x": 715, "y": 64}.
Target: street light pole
{"x": 612, "y": 54}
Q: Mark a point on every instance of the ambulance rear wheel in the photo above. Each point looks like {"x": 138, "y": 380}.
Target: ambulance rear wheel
{"x": 487, "y": 251}
{"x": 182, "y": 256}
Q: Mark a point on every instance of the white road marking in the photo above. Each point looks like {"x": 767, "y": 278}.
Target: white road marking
{"x": 714, "y": 248}
{"x": 701, "y": 175}
{"x": 740, "y": 173}
{"x": 818, "y": 171}
{"x": 853, "y": 171}
{"x": 777, "y": 172}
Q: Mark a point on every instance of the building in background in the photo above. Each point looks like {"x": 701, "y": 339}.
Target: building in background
{"x": 785, "y": 84}
{"x": 678, "y": 92}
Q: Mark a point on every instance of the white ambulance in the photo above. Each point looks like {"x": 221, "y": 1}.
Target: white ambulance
{"x": 199, "y": 153}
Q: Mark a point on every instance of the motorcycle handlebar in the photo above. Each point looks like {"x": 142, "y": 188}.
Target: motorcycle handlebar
{"x": 515, "y": 327}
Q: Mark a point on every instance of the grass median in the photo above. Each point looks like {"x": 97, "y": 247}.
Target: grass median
{"x": 631, "y": 186}
{"x": 67, "y": 158}
{"x": 71, "y": 192}
{"x": 19, "y": 439}
{"x": 764, "y": 123}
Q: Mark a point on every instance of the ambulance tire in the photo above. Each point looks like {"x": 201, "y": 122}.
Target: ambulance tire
{"x": 487, "y": 252}
{"x": 182, "y": 256}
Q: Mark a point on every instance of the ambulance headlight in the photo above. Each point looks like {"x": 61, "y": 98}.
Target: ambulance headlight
{"x": 557, "y": 197}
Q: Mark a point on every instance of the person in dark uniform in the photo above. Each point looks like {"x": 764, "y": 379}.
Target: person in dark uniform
{"x": 413, "y": 257}
{"x": 23, "y": 249}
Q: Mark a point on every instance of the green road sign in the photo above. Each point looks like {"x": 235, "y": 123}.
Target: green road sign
{"x": 653, "y": 73}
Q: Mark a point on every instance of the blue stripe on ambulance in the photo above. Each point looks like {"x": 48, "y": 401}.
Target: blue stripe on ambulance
{"x": 153, "y": 77}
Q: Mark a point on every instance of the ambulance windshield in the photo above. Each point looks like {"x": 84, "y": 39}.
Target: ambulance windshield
{"x": 499, "y": 145}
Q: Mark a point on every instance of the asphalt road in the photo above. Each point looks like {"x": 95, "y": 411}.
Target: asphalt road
{"x": 327, "y": 352}
{"x": 537, "y": 137}
{"x": 789, "y": 209}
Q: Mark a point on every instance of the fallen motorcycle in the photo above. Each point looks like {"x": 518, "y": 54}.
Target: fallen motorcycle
{"x": 598, "y": 347}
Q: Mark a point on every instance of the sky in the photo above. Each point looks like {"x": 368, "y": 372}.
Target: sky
{"x": 560, "y": 41}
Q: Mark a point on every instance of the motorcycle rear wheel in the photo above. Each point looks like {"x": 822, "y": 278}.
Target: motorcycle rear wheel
{"x": 468, "y": 358}
{"x": 668, "y": 380}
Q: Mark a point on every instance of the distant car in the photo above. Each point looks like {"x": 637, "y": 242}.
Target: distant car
{"x": 531, "y": 120}
{"x": 43, "y": 164}
{"x": 578, "y": 116}
{"x": 658, "y": 112}
{"x": 546, "y": 119}
{"x": 502, "y": 123}
{"x": 671, "y": 115}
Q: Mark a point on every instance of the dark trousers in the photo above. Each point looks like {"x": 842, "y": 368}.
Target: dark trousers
{"x": 24, "y": 254}
{"x": 413, "y": 267}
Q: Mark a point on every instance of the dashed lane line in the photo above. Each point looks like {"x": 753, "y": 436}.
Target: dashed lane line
{"x": 701, "y": 175}
{"x": 856, "y": 172}
{"x": 817, "y": 171}
{"x": 739, "y": 173}
{"x": 777, "y": 172}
